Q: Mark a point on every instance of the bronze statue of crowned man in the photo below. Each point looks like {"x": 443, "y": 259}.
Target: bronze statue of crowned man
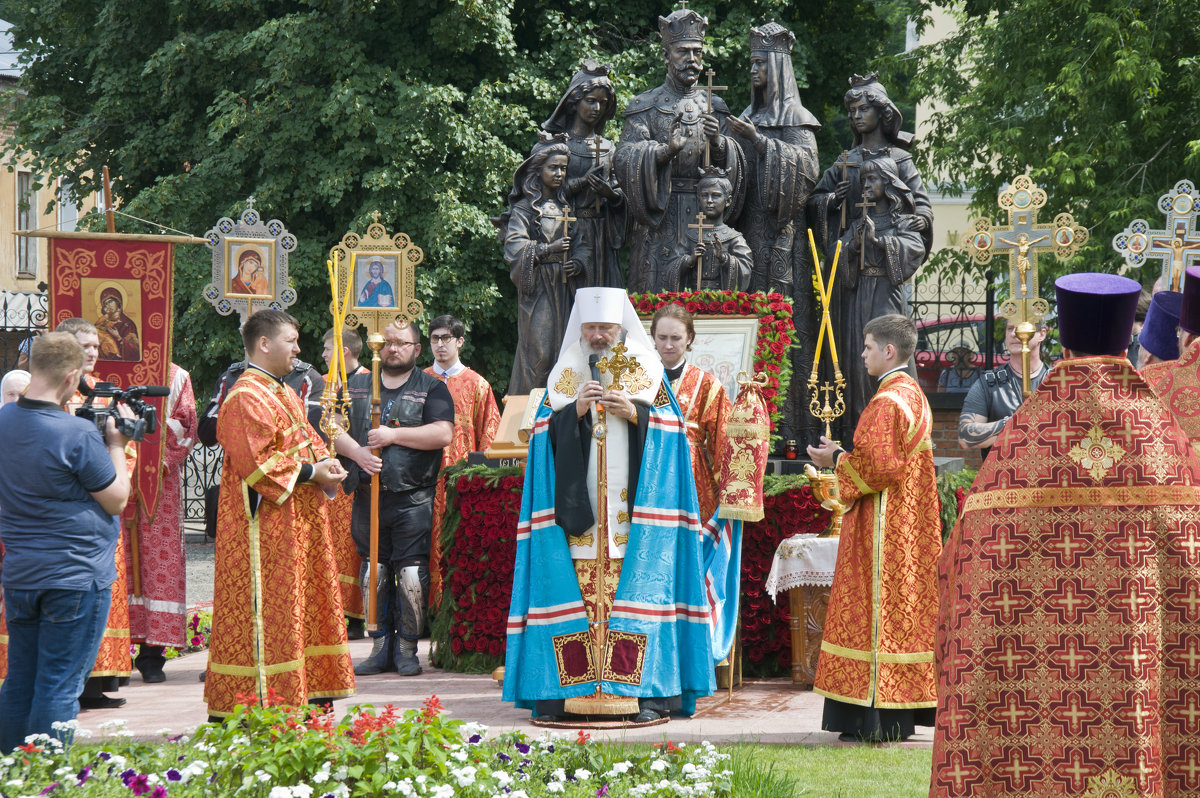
{"x": 669, "y": 133}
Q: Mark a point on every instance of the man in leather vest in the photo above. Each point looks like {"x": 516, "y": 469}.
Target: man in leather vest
{"x": 416, "y": 423}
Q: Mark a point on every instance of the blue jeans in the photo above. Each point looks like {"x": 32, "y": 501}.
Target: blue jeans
{"x": 53, "y": 638}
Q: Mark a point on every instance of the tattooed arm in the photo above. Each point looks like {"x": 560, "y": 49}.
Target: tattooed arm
{"x": 975, "y": 429}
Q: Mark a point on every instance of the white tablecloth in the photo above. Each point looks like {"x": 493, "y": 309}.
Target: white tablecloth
{"x": 802, "y": 560}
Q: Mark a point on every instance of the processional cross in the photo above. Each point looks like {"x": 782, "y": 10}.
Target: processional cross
{"x": 699, "y": 227}
{"x": 1022, "y": 200}
{"x": 1177, "y": 245}
{"x": 565, "y": 218}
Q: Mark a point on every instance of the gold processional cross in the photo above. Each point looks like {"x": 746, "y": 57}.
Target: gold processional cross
{"x": 1024, "y": 306}
{"x": 1176, "y": 246}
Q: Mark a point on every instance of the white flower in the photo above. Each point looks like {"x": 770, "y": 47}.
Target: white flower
{"x": 264, "y": 777}
{"x": 389, "y": 787}
{"x": 302, "y": 791}
{"x": 554, "y": 786}
{"x": 583, "y": 774}
{"x": 461, "y": 756}
{"x": 321, "y": 776}
{"x": 465, "y": 777}
{"x": 619, "y": 768}
{"x": 117, "y": 761}
{"x": 442, "y": 791}
{"x": 406, "y": 789}
{"x": 389, "y": 756}
{"x": 559, "y": 775}
{"x": 421, "y": 779}
{"x": 502, "y": 777}
{"x": 658, "y": 765}
{"x": 341, "y": 790}
{"x": 518, "y": 794}
{"x": 340, "y": 773}
{"x": 65, "y": 725}
{"x": 277, "y": 792}
{"x": 64, "y": 770}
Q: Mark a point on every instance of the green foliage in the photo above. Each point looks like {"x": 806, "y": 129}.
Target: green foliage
{"x": 1094, "y": 98}
{"x": 327, "y": 111}
{"x": 948, "y": 486}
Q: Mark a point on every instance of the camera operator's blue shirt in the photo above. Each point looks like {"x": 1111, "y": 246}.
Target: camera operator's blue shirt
{"x": 55, "y": 535}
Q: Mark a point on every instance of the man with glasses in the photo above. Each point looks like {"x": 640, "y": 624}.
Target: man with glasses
{"x": 417, "y": 423}
{"x": 476, "y": 419}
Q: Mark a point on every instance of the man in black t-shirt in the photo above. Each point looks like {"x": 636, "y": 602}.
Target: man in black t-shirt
{"x": 996, "y": 395}
{"x": 416, "y": 423}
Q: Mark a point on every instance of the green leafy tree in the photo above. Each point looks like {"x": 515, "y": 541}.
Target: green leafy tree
{"x": 1097, "y": 99}
{"x": 328, "y": 110}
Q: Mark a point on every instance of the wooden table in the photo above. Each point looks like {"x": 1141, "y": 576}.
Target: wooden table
{"x": 803, "y": 566}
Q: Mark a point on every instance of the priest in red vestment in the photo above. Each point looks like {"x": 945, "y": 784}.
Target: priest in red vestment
{"x": 476, "y": 419}
{"x": 1068, "y": 642}
{"x": 875, "y": 667}
{"x": 702, "y": 398}
{"x": 1177, "y": 382}
{"x": 351, "y": 570}
{"x": 277, "y": 610}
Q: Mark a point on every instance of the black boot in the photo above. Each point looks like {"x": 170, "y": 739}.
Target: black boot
{"x": 380, "y": 660}
{"x": 405, "y": 659}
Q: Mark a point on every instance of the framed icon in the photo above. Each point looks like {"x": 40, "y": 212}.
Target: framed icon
{"x": 250, "y": 268}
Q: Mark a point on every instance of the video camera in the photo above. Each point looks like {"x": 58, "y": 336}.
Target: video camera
{"x": 138, "y": 428}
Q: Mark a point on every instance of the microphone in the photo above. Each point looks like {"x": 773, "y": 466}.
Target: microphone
{"x": 593, "y": 360}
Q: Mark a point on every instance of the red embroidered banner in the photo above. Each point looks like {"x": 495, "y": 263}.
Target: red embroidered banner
{"x": 124, "y": 288}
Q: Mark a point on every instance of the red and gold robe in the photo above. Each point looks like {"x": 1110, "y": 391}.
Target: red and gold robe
{"x": 877, "y": 649}
{"x": 476, "y": 419}
{"x": 1177, "y": 384}
{"x": 345, "y": 553}
{"x": 706, "y": 408}
{"x": 1069, "y": 631}
{"x": 159, "y": 615}
{"x": 277, "y": 611}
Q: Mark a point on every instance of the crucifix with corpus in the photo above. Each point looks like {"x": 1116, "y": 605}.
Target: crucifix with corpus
{"x": 1023, "y": 239}
{"x": 1176, "y": 246}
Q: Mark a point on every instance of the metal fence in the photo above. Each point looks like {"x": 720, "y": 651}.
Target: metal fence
{"x": 956, "y": 332}
{"x": 201, "y": 471}
{"x": 25, "y": 314}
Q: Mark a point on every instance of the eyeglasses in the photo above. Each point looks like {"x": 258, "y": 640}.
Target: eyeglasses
{"x": 441, "y": 339}
{"x": 399, "y": 344}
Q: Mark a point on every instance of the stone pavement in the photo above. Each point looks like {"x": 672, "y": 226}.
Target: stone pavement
{"x": 766, "y": 711}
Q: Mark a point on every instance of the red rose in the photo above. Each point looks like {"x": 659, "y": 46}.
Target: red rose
{"x": 746, "y": 307}
{"x": 776, "y": 306}
{"x": 772, "y": 368}
{"x": 729, "y": 306}
{"x": 771, "y": 410}
{"x": 777, "y": 347}
{"x": 787, "y": 308}
{"x": 785, "y": 340}
{"x": 769, "y": 393}
{"x": 693, "y": 307}
{"x": 496, "y": 648}
{"x": 775, "y": 296}
{"x": 456, "y": 646}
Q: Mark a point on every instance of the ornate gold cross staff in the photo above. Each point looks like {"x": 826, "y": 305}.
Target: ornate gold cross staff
{"x": 1176, "y": 245}
{"x": 617, "y": 366}
{"x": 844, "y": 162}
{"x": 709, "y": 89}
{"x": 566, "y": 218}
{"x": 982, "y": 241}
{"x": 699, "y": 227}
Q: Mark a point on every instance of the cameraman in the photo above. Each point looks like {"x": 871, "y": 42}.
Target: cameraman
{"x": 61, "y": 484}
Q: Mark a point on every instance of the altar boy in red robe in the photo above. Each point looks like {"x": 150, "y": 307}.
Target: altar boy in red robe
{"x": 876, "y": 662}
{"x": 1069, "y": 625}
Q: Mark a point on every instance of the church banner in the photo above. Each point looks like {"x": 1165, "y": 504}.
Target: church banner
{"x": 124, "y": 288}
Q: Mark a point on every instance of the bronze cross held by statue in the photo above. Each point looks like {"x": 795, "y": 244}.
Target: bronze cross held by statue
{"x": 617, "y": 365}
{"x": 699, "y": 227}
{"x": 844, "y": 162}
{"x": 596, "y": 148}
{"x": 709, "y": 89}
{"x": 864, "y": 206}
{"x": 566, "y": 218}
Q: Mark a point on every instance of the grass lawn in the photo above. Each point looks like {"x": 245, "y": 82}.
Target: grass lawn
{"x": 781, "y": 771}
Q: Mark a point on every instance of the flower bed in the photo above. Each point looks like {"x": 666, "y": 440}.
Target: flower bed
{"x": 775, "y": 329}
{"x": 275, "y": 751}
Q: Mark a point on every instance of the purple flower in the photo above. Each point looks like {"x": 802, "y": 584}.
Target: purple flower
{"x": 159, "y": 792}
{"x": 550, "y": 748}
{"x": 140, "y": 784}
{"x": 51, "y": 788}
{"x": 503, "y": 757}
{"x": 603, "y": 791}
{"x": 474, "y": 738}
{"x": 127, "y": 776}
{"x": 84, "y": 774}
{"x": 105, "y": 755}
{"x": 523, "y": 748}
{"x": 174, "y": 775}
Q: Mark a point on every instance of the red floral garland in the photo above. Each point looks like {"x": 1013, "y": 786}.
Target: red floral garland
{"x": 774, "y": 330}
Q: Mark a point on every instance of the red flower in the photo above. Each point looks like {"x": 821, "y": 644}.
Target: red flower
{"x": 431, "y": 709}
{"x": 729, "y": 306}
{"x": 777, "y": 347}
{"x": 583, "y": 737}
